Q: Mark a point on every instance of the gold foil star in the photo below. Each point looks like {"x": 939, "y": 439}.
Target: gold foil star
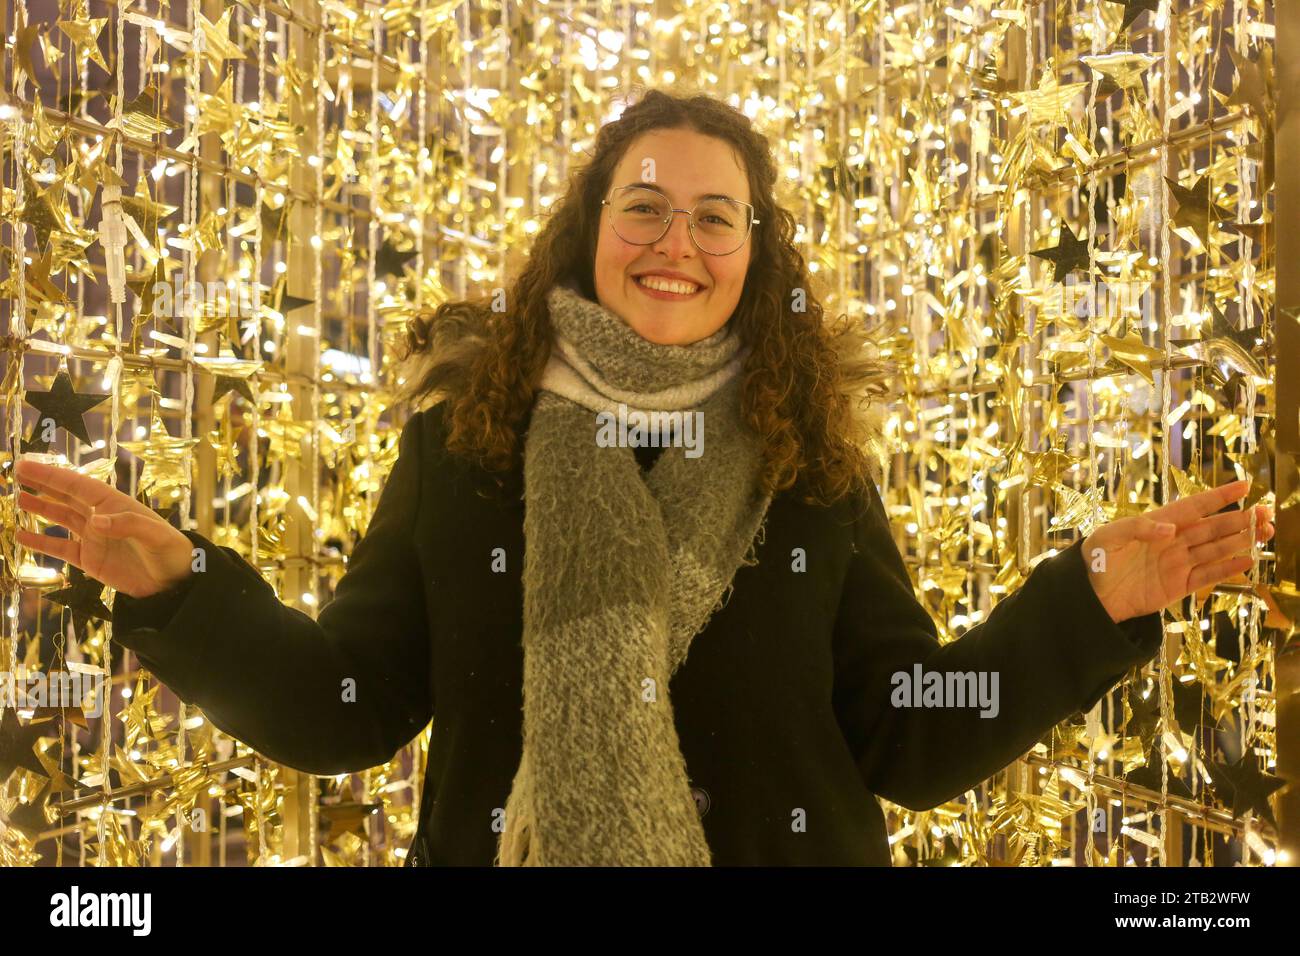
{"x": 84, "y": 34}
{"x": 1123, "y": 68}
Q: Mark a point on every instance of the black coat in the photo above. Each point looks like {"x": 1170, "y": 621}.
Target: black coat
{"x": 783, "y": 706}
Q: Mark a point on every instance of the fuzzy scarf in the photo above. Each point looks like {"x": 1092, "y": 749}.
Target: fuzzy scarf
{"x": 621, "y": 571}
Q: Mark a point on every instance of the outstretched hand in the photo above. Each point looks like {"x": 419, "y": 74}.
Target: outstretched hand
{"x": 1146, "y": 562}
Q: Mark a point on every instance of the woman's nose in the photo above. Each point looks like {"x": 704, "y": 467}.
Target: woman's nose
{"x": 677, "y": 241}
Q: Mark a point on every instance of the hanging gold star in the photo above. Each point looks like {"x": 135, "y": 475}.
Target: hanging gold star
{"x": 164, "y": 458}
{"x": 1049, "y": 101}
{"x": 25, "y": 36}
{"x": 1254, "y": 81}
{"x": 84, "y": 35}
{"x": 1196, "y": 208}
{"x": 217, "y": 46}
{"x": 1132, "y": 352}
{"x": 1123, "y": 67}
{"x": 1224, "y": 341}
{"x": 43, "y": 212}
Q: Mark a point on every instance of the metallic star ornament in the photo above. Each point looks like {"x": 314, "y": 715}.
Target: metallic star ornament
{"x": 1254, "y": 81}
{"x": 1122, "y": 67}
{"x": 83, "y": 595}
{"x": 1196, "y": 208}
{"x": 1232, "y": 345}
{"x": 389, "y": 260}
{"x": 1244, "y": 787}
{"x": 1134, "y": 9}
{"x": 25, "y": 36}
{"x": 64, "y": 405}
{"x": 17, "y": 742}
{"x": 217, "y": 46}
{"x": 163, "y": 456}
{"x": 1150, "y": 773}
{"x": 84, "y": 35}
{"x": 1070, "y": 254}
{"x": 41, "y": 210}
{"x": 1049, "y": 101}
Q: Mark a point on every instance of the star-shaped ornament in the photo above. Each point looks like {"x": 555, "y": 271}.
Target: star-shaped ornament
{"x": 1196, "y": 208}
{"x": 1149, "y": 775}
{"x": 391, "y": 261}
{"x": 1135, "y": 8}
{"x": 1124, "y": 68}
{"x": 65, "y": 405}
{"x": 84, "y": 35}
{"x": 83, "y": 595}
{"x": 1245, "y": 787}
{"x": 1070, "y": 254}
{"x": 1144, "y": 722}
{"x": 1223, "y": 341}
{"x": 1254, "y": 81}
{"x": 16, "y": 744}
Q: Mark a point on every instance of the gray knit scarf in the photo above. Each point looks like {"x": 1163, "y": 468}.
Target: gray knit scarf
{"x": 621, "y": 571}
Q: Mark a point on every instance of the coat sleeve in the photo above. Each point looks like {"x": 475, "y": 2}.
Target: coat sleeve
{"x": 274, "y": 678}
{"x": 1054, "y": 647}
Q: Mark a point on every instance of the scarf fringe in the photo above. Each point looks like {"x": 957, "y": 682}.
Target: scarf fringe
{"x": 518, "y": 845}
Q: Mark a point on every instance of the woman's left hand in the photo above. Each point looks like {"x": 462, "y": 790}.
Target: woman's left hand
{"x": 1144, "y": 563}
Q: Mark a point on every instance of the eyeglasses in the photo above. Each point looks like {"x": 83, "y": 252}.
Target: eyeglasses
{"x": 641, "y": 216}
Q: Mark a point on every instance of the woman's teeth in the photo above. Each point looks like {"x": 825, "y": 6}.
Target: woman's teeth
{"x": 667, "y": 285}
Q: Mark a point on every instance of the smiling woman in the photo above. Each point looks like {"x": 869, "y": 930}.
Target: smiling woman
{"x": 636, "y": 655}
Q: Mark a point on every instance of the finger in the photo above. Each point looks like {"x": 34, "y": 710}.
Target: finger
{"x": 60, "y": 514}
{"x": 1217, "y": 571}
{"x": 61, "y": 548}
{"x": 51, "y": 495}
{"x": 1220, "y": 547}
{"x": 26, "y": 483}
{"x": 1194, "y": 507}
{"x": 89, "y": 491}
{"x": 1147, "y": 529}
{"x": 1216, "y": 526}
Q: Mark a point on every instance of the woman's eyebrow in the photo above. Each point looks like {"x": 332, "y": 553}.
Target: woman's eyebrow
{"x": 656, "y": 188}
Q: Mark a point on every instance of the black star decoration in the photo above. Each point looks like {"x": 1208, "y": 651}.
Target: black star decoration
{"x": 1149, "y": 776}
{"x": 16, "y": 742}
{"x": 65, "y": 405}
{"x": 1245, "y": 787}
{"x": 1069, "y": 254}
{"x": 286, "y": 303}
{"x": 1192, "y": 707}
{"x": 392, "y": 261}
{"x": 1134, "y": 9}
{"x": 82, "y": 595}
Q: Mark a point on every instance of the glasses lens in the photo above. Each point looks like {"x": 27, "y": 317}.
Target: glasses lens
{"x": 639, "y": 214}
{"x": 721, "y": 226}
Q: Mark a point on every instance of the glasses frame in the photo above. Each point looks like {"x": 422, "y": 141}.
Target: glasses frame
{"x": 690, "y": 222}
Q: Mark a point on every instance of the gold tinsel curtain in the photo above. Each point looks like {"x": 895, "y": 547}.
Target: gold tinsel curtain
{"x": 1055, "y": 215}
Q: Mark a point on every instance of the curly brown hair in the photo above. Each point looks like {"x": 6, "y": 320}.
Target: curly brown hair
{"x": 807, "y": 385}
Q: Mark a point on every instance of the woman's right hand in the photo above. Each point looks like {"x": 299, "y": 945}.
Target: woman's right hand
{"x": 115, "y": 539}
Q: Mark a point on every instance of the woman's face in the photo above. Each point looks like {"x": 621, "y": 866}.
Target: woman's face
{"x": 684, "y": 165}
